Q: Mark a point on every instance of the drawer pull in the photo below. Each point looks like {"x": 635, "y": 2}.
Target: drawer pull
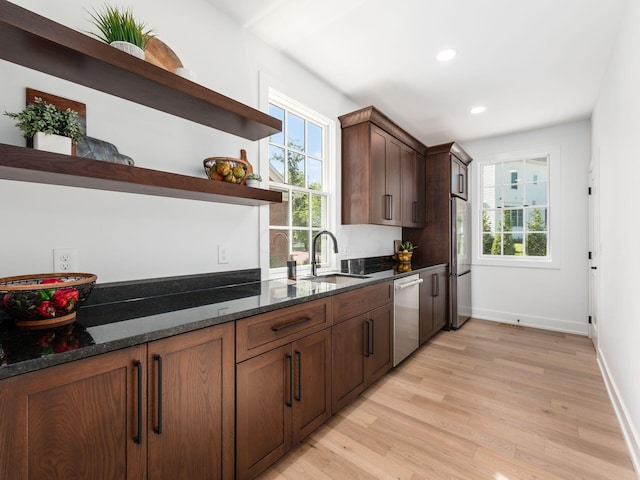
{"x": 291, "y": 323}
{"x": 158, "y": 428}
{"x": 298, "y": 396}
{"x": 138, "y": 438}
{"x": 367, "y": 338}
{"x": 289, "y": 401}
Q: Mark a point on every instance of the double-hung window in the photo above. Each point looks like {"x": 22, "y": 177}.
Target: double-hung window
{"x": 515, "y": 199}
{"x": 300, "y": 166}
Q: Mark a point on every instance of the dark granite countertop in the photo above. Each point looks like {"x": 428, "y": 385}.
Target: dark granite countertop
{"x": 124, "y": 314}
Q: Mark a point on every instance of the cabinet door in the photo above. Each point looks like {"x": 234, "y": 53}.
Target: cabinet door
{"x": 385, "y": 188}
{"x": 458, "y": 178}
{"x": 79, "y": 420}
{"x": 412, "y": 188}
{"x": 380, "y": 332}
{"x": 427, "y": 290}
{"x": 348, "y": 361}
{"x": 312, "y": 383}
{"x": 191, "y": 405}
{"x": 433, "y": 302}
{"x": 264, "y": 397}
{"x": 440, "y": 300}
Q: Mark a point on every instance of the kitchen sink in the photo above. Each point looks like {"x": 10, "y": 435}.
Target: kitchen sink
{"x": 337, "y": 278}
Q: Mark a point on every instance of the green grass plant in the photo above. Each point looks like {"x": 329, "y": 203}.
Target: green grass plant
{"x": 115, "y": 24}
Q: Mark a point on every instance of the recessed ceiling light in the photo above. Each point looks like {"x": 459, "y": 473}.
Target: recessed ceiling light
{"x": 478, "y": 109}
{"x": 446, "y": 55}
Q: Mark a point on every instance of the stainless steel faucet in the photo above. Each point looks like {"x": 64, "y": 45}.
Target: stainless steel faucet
{"x": 314, "y": 267}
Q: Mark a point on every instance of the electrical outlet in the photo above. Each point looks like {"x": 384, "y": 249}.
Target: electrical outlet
{"x": 65, "y": 260}
{"x": 222, "y": 254}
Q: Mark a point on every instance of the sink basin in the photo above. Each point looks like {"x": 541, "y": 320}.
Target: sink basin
{"x": 337, "y": 278}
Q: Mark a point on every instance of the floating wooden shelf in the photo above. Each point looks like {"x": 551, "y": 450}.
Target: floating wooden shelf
{"x": 29, "y": 165}
{"x": 36, "y": 42}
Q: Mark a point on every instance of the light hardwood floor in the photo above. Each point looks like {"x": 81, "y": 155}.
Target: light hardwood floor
{"x": 489, "y": 401}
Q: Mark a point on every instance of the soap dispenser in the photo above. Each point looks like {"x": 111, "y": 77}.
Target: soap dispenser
{"x": 291, "y": 268}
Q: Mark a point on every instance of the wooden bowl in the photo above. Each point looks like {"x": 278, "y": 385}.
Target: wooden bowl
{"x": 211, "y": 163}
{"x": 46, "y": 299}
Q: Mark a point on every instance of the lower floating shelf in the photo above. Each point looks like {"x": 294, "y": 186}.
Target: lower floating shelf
{"x": 29, "y": 165}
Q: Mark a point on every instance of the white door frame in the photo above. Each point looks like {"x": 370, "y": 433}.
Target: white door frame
{"x": 594, "y": 245}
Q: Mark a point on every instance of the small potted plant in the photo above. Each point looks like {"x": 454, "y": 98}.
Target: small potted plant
{"x": 51, "y": 129}
{"x": 121, "y": 30}
{"x": 405, "y": 252}
{"x": 253, "y": 180}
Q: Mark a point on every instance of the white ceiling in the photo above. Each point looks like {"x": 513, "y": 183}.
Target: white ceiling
{"x": 530, "y": 62}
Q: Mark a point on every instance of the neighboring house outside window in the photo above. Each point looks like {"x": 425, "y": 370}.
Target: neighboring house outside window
{"x": 300, "y": 161}
{"x": 515, "y": 208}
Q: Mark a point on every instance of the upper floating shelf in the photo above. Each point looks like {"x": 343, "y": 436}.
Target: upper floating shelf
{"x": 36, "y": 42}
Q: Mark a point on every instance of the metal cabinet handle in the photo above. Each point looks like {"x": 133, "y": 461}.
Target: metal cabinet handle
{"x": 388, "y": 214}
{"x": 367, "y": 337}
{"x": 158, "y": 428}
{"x": 372, "y": 338}
{"x": 402, "y": 286}
{"x": 138, "y": 438}
{"x": 435, "y": 286}
{"x": 415, "y": 212}
{"x": 289, "y": 401}
{"x": 293, "y": 323}
{"x": 461, "y": 183}
{"x": 298, "y": 395}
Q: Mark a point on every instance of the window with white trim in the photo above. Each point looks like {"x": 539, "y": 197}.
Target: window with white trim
{"x": 515, "y": 208}
{"x": 300, "y": 163}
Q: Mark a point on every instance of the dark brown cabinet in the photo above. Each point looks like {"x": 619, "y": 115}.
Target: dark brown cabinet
{"x": 413, "y": 194}
{"x": 99, "y": 417}
{"x": 385, "y": 188}
{"x": 446, "y": 173}
{"x": 381, "y": 165}
{"x": 459, "y": 180}
{"x": 283, "y": 388}
{"x": 433, "y": 301}
{"x": 362, "y": 341}
{"x": 191, "y": 405}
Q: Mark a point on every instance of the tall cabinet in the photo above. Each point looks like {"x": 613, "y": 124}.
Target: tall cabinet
{"x": 382, "y": 171}
{"x": 446, "y": 171}
{"x": 446, "y": 167}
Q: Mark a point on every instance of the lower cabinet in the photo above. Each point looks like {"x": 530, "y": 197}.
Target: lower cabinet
{"x": 362, "y": 348}
{"x": 126, "y": 414}
{"x": 191, "y": 405}
{"x": 433, "y": 302}
{"x": 284, "y": 393}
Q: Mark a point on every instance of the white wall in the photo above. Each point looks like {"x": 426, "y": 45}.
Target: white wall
{"x": 551, "y": 298}
{"x": 616, "y": 124}
{"x": 124, "y": 236}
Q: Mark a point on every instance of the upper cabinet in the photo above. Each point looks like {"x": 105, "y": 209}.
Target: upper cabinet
{"x": 382, "y": 171}
{"x": 458, "y": 162}
{"x": 459, "y": 180}
{"x": 36, "y": 42}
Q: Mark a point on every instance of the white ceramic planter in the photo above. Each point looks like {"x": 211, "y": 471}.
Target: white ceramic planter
{"x": 130, "y": 48}
{"x": 52, "y": 143}
{"x": 253, "y": 183}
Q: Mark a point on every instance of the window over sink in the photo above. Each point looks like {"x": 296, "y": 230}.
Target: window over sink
{"x": 301, "y": 160}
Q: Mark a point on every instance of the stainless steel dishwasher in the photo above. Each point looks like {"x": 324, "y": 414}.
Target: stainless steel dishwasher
{"x": 406, "y": 317}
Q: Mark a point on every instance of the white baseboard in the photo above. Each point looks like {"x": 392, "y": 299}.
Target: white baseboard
{"x": 545, "y": 323}
{"x": 630, "y": 434}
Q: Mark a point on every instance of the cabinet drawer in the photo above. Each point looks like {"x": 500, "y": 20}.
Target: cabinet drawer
{"x": 258, "y": 334}
{"x": 356, "y": 302}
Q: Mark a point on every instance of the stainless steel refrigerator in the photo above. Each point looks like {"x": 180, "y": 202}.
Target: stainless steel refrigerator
{"x": 460, "y": 262}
